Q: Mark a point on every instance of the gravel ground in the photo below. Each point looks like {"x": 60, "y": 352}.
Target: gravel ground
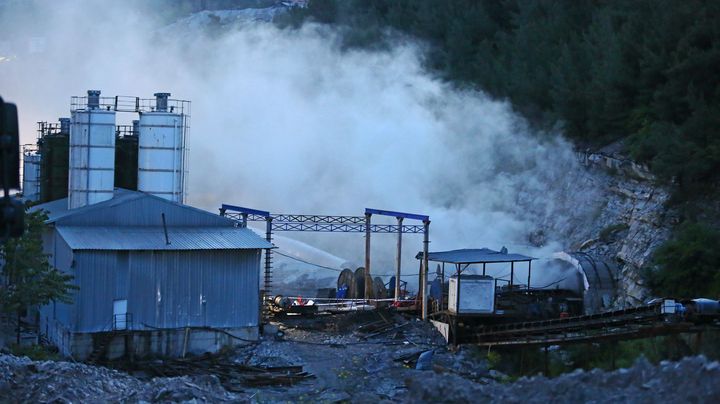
{"x": 350, "y": 368}
{"x": 25, "y": 381}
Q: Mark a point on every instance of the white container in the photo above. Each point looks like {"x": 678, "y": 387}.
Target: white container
{"x": 161, "y": 152}
{"x": 471, "y": 294}
{"x": 92, "y": 157}
{"x": 31, "y": 176}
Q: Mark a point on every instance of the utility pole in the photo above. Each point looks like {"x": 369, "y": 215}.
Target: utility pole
{"x": 399, "y": 259}
{"x": 368, "y": 278}
{"x": 426, "y": 247}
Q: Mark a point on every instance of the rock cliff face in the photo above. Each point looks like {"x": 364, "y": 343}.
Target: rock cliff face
{"x": 631, "y": 220}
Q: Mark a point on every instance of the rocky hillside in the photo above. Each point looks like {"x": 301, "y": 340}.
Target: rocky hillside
{"x": 629, "y": 221}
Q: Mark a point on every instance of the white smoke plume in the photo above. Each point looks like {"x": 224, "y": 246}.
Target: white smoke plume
{"x": 287, "y": 121}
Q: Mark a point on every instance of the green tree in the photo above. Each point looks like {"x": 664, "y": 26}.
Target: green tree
{"x": 30, "y": 280}
{"x": 689, "y": 264}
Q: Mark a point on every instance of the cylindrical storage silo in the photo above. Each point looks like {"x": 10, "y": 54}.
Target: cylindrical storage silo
{"x": 160, "y": 152}
{"x": 92, "y": 155}
{"x": 31, "y": 175}
{"x": 126, "y": 162}
{"x": 54, "y": 163}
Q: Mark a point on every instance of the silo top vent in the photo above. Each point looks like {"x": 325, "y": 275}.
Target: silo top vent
{"x": 161, "y": 101}
{"x": 64, "y": 126}
{"x": 93, "y": 101}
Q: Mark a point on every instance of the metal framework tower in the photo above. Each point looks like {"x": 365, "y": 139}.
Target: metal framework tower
{"x": 339, "y": 224}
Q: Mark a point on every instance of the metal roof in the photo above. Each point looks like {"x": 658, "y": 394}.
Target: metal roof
{"x": 130, "y": 208}
{"x": 153, "y": 238}
{"x": 474, "y": 256}
{"x": 59, "y": 208}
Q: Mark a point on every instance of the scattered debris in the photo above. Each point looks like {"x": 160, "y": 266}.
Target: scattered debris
{"x": 233, "y": 376}
{"x": 424, "y": 361}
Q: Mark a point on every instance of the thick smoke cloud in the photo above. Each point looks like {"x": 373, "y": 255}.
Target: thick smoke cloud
{"x": 288, "y": 122}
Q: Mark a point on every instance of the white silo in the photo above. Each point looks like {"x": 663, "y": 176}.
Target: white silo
{"x": 92, "y": 151}
{"x": 161, "y": 150}
{"x": 31, "y": 173}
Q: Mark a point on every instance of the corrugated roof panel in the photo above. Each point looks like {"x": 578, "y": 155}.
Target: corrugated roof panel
{"x": 131, "y": 208}
{"x": 474, "y": 256}
{"x": 153, "y": 238}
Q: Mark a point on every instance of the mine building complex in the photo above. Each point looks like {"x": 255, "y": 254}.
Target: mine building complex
{"x": 155, "y": 276}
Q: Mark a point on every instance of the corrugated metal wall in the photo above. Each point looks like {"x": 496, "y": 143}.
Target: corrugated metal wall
{"x": 56, "y": 319}
{"x": 168, "y": 289}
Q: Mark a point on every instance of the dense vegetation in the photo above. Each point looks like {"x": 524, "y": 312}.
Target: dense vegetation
{"x": 646, "y": 72}
{"x": 688, "y": 264}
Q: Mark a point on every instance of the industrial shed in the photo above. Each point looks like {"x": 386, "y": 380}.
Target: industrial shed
{"x": 156, "y": 278}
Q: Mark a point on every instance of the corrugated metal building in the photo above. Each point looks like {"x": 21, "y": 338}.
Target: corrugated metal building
{"x": 147, "y": 288}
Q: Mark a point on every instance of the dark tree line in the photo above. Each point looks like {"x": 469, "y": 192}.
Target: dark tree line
{"x": 644, "y": 71}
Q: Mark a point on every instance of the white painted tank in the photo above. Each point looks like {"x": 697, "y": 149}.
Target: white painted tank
{"x": 31, "y": 175}
{"x": 161, "y": 152}
{"x": 92, "y": 154}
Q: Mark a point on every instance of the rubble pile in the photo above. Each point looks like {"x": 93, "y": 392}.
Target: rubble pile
{"x": 693, "y": 379}
{"x": 23, "y": 380}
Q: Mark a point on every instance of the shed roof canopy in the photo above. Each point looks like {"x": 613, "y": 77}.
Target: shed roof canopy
{"x": 474, "y": 256}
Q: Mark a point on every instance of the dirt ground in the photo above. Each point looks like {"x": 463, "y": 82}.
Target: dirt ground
{"x": 348, "y": 364}
{"x": 360, "y": 358}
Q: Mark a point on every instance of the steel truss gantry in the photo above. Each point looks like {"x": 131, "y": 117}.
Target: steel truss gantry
{"x": 339, "y": 224}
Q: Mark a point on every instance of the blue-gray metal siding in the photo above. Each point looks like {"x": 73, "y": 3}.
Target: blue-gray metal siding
{"x": 168, "y": 289}
{"x": 60, "y": 256}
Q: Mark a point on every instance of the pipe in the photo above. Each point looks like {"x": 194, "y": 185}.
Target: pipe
{"x": 183, "y": 158}
{"x": 89, "y": 143}
{"x": 167, "y": 238}
{"x": 512, "y": 274}
{"x": 174, "y": 163}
